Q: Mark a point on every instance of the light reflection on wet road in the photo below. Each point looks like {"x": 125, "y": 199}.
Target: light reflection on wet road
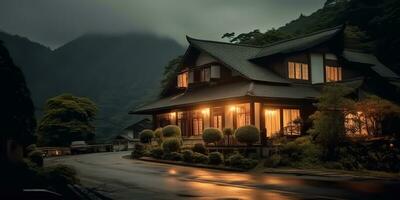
{"x": 121, "y": 178}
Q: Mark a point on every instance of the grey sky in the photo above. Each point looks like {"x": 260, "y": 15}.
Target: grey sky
{"x": 55, "y": 22}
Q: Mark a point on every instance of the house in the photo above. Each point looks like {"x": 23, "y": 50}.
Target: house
{"x": 272, "y": 87}
{"x": 130, "y": 134}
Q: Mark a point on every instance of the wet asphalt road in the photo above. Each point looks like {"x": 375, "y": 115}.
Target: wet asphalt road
{"x": 120, "y": 178}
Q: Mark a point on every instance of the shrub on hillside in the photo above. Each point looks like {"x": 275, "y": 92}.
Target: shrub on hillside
{"x": 157, "y": 153}
{"x": 212, "y": 135}
{"x": 215, "y": 158}
{"x": 171, "y": 145}
{"x": 187, "y": 156}
{"x": 200, "y": 148}
{"x": 200, "y": 158}
{"x": 171, "y": 131}
{"x": 248, "y": 134}
{"x": 146, "y": 136}
{"x": 138, "y": 151}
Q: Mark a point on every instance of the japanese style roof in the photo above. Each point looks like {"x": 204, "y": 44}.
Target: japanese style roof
{"x": 229, "y": 91}
{"x": 376, "y": 65}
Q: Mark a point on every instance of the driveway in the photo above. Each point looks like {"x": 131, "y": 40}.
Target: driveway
{"x": 120, "y": 178}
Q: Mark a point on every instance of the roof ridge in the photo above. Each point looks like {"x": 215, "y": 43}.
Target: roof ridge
{"x": 188, "y": 38}
{"x": 303, "y": 36}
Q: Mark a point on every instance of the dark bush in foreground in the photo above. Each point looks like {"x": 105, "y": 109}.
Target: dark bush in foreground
{"x": 247, "y": 134}
{"x": 157, "y": 153}
{"x": 60, "y": 175}
{"x": 200, "y": 148}
{"x": 215, "y": 158}
{"x": 187, "y": 156}
{"x": 36, "y": 157}
{"x": 238, "y": 161}
{"x": 175, "y": 156}
{"x": 171, "y": 131}
{"x": 171, "y": 145}
{"x": 200, "y": 158}
{"x": 212, "y": 135}
{"x": 146, "y": 136}
{"x": 138, "y": 151}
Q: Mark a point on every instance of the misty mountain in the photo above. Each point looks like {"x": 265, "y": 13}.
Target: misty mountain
{"x": 118, "y": 72}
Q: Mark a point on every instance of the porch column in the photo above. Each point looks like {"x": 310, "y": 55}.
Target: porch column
{"x": 263, "y": 129}
{"x": 252, "y": 115}
{"x": 155, "y": 123}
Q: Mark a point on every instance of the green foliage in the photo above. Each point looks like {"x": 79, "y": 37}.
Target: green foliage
{"x": 157, "y": 152}
{"x": 200, "y": 148}
{"x": 146, "y": 136}
{"x": 187, "y": 156}
{"x": 138, "y": 151}
{"x": 175, "y": 156}
{"x": 158, "y": 135}
{"x": 273, "y": 161}
{"x": 228, "y": 131}
{"x": 300, "y": 153}
{"x": 200, "y": 158}
{"x": 60, "y": 175}
{"x": 255, "y": 37}
{"x": 328, "y": 121}
{"x": 212, "y": 135}
{"x": 215, "y": 158}
{"x": 247, "y": 134}
{"x": 171, "y": 131}
{"x": 171, "y": 145}
{"x": 36, "y": 157}
{"x": 238, "y": 161}
{"x": 67, "y": 118}
{"x": 168, "y": 83}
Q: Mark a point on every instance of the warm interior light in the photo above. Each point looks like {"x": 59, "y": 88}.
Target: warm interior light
{"x": 232, "y": 108}
{"x": 270, "y": 112}
{"x": 205, "y": 111}
{"x": 172, "y": 114}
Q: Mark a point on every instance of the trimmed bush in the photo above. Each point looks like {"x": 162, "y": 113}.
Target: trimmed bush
{"x": 36, "y": 157}
{"x": 248, "y": 164}
{"x": 146, "y": 136}
{"x": 200, "y": 158}
{"x": 157, "y": 153}
{"x": 175, "y": 156}
{"x": 247, "y": 134}
{"x": 200, "y": 148}
{"x": 215, "y": 158}
{"x": 158, "y": 136}
{"x": 171, "y": 131}
{"x": 171, "y": 145}
{"x": 138, "y": 151}
{"x": 235, "y": 160}
{"x": 187, "y": 156}
{"x": 238, "y": 161}
{"x": 212, "y": 135}
{"x": 228, "y": 131}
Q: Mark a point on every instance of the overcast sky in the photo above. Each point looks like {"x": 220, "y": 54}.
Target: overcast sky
{"x": 55, "y": 22}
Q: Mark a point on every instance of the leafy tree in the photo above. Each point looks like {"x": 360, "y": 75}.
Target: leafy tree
{"x": 328, "y": 121}
{"x": 67, "y": 118}
{"x": 168, "y": 83}
{"x": 255, "y": 37}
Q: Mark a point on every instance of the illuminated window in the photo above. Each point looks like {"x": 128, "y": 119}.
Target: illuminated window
{"x": 181, "y": 122}
{"x": 183, "y": 80}
{"x": 217, "y": 117}
{"x": 272, "y": 121}
{"x": 357, "y": 125}
{"x": 291, "y": 121}
{"x": 333, "y": 74}
{"x": 242, "y": 115}
{"x": 197, "y": 122}
{"x": 298, "y": 70}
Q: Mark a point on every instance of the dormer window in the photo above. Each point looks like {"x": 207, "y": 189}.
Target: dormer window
{"x": 205, "y": 74}
{"x": 333, "y": 74}
{"x": 298, "y": 70}
{"x": 183, "y": 80}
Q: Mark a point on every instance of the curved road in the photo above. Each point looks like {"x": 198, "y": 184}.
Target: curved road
{"x": 120, "y": 178}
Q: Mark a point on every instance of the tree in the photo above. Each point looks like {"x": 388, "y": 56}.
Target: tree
{"x": 168, "y": 83}
{"x": 67, "y": 118}
{"x": 328, "y": 121}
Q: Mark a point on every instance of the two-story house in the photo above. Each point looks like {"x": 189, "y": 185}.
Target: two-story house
{"x": 272, "y": 87}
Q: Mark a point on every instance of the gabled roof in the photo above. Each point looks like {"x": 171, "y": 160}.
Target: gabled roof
{"x": 228, "y": 91}
{"x": 376, "y": 65}
{"x": 237, "y": 57}
{"x": 299, "y": 43}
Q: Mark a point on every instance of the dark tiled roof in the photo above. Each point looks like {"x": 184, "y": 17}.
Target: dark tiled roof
{"x": 370, "y": 59}
{"x": 228, "y": 91}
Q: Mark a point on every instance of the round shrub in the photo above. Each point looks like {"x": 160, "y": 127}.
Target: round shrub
{"x": 171, "y": 131}
{"x": 157, "y": 153}
{"x": 212, "y": 135}
{"x": 171, "y": 145}
{"x": 215, "y": 158}
{"x": 228, "y": 131}
{"x": 199, "y": 148}
{"x": 36, "y": 157}
{"x": 235, "y": 160}
{"x": 138, "y": 151}
{"x": 238, "y": 161}
{"x": 247, "y": 134}
{"x": 158, "y": 135}
{"x": 146, "y": 136}
{"x": 187, "y": 156}
{"x": 200, "y": 158}
{"x": 248, "y": 163}
{"x": 173, "y": 156}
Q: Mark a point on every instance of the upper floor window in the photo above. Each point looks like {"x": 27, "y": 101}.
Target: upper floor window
{"x": 333, "y": 74}
{"x": 205, "y": 74}
{"x": 298, "y": 70}
{"x": 183, "y": 80}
